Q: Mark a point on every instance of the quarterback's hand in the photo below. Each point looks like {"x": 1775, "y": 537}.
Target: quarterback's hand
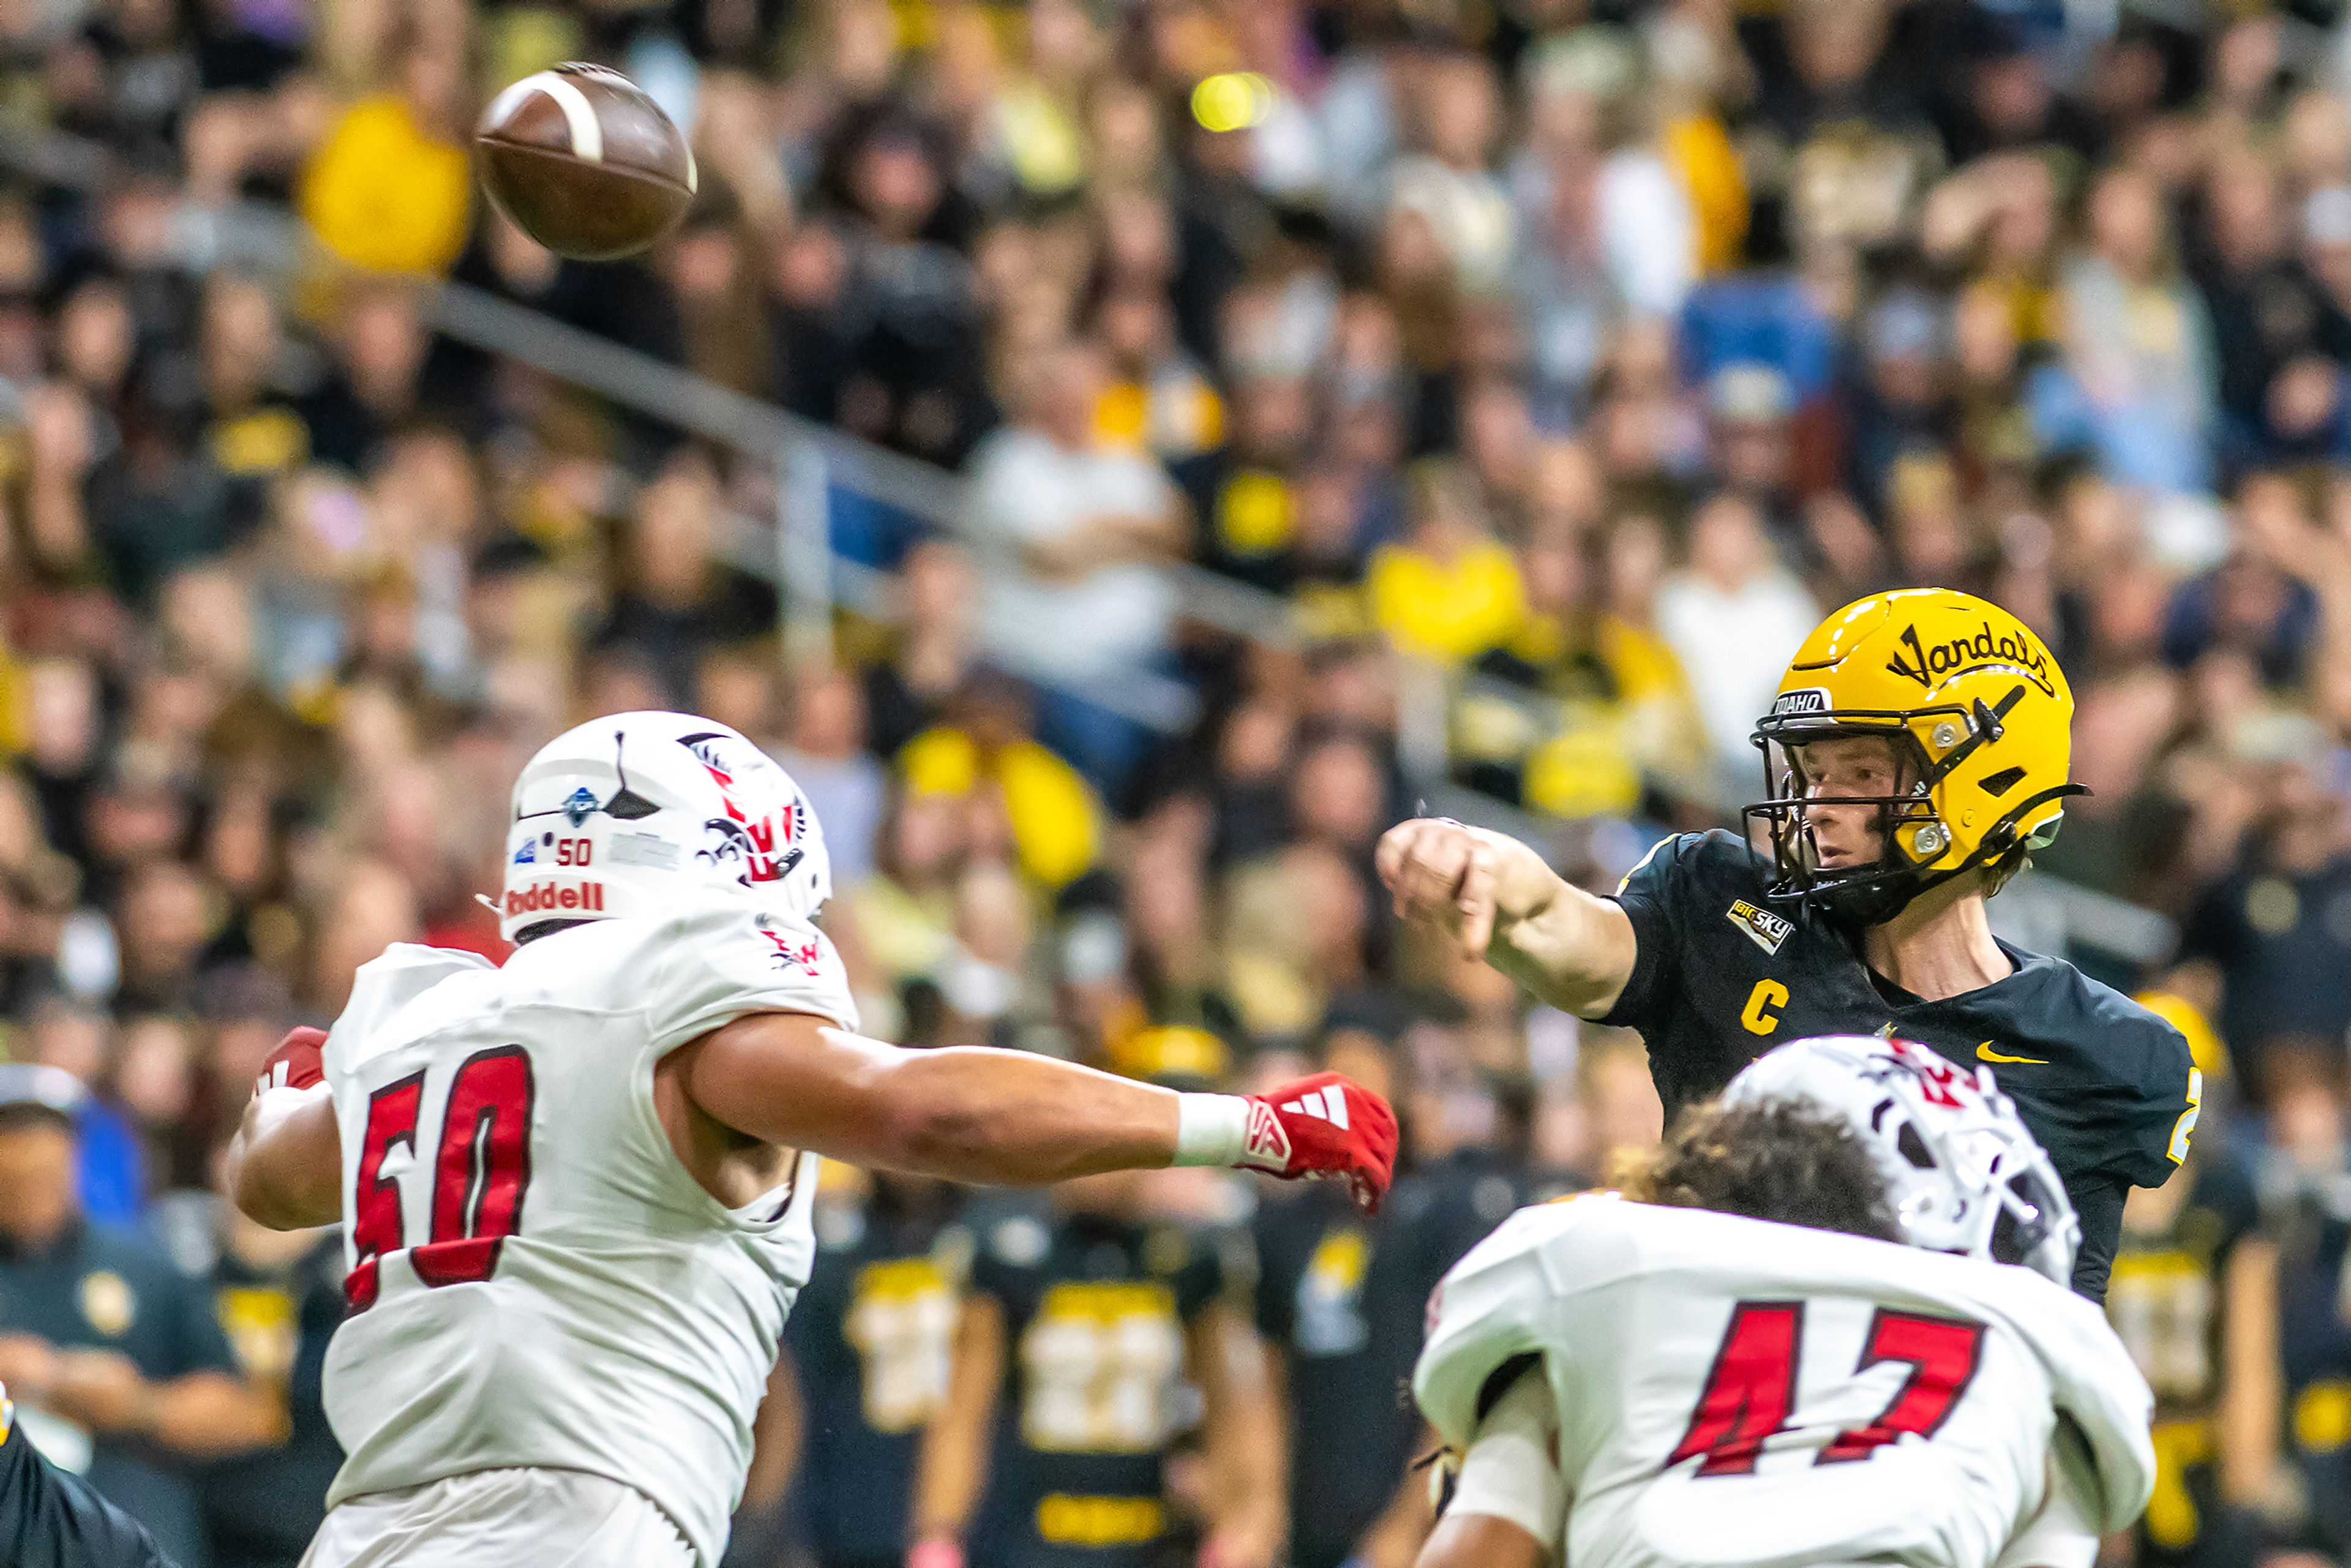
{"x": 1464, "y": 880}
{"x": 295, "y": 1064}
{"x": 1325, "y": 1125}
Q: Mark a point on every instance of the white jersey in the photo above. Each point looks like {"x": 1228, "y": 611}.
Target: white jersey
{"x": 1732, "y": 1392}
{"x": 535, "y": 1279}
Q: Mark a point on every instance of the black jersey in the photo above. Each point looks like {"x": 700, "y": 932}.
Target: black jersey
{"x": 2165, "y": 1299}
{"x": 51, "y": 1519}
{"x": 2315, "y": 1343}
{"x": 1343, "y": 1296}
{"x": 1338, "y": 1297}
{"x": 1095, "y": 1312}
{"x": 871, "y": 1337}
{"x": 262, "y": 1509}
{"x": 1721, "y": 976}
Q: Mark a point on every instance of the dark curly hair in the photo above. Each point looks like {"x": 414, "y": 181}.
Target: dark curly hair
{"x": 1777, "y": 1161}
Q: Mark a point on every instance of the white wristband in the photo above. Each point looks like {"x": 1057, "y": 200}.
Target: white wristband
{"x": 1211, "y": 1129}
{"x": 1508, "y": 1472}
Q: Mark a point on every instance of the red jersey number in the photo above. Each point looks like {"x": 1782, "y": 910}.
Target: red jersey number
{"x": 479, "y": 1175}
{"x": 1751, "y": 1386}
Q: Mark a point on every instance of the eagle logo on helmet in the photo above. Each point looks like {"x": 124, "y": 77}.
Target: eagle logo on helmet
{"x": 711, "y": 811}
{"x": 1936, "y": 1077}
{"x": 734, "y": 844}
{"x": 759, "y": 841}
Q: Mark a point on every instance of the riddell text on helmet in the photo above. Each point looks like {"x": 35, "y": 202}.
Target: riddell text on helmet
{"x": 586, "y": 898}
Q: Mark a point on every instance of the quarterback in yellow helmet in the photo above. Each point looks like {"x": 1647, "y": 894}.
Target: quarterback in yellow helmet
{"x": 1915, "y": 756}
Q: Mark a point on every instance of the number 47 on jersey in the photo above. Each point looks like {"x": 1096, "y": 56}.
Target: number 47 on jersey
{"x": 1751, "y": 1386}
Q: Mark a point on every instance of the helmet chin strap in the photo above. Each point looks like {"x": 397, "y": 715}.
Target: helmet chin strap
{"x": 1865, "y": 903}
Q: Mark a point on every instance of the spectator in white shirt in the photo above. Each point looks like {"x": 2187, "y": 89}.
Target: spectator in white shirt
{"x": 825, "y": 753}
{"x": 1080, "y": 533}
{"x": 1734, "y": 616}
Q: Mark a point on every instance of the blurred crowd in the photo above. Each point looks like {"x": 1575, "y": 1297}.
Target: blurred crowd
{"x": 1567, "y": 359}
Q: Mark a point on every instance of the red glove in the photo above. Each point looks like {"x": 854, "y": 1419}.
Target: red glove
{"x": 294, "y": 1064}
{"x": 1325, "y": 1125}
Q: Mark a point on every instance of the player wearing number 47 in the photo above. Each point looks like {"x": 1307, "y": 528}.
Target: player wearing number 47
{"x": 1916, "y": 756}
{"x": 1648, "y": 1385}
{"x": 576, "y": 1188}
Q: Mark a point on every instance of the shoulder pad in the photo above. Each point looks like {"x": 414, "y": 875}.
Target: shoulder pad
{"x": 387, "y": 983}
{"x": 2093, "y": 1380}
{"x": 719, "y": 958}
{"x": 2100, "y": 1386}
{"x": 1497, "y": 1303}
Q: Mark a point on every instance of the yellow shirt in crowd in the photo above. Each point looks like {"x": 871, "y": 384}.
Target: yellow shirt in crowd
{"x": 1449, "y": 611}
{"x": 383, "y": 194}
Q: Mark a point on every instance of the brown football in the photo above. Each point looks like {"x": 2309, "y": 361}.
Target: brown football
{"x": 584, "y": 161}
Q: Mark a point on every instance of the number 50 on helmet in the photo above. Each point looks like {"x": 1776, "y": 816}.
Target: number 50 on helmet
{"x": 1981, "y": 720}
{"x": 636, "y": 813}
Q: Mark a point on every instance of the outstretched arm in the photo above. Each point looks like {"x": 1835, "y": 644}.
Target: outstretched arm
{"x": 1496, "y": 898}
{"x": 1011, "y": 1117}
{"x": 967, "y": 1113}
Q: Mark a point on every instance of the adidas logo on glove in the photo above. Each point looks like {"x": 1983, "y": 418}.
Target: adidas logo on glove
{"x": 1327, "y": 1104}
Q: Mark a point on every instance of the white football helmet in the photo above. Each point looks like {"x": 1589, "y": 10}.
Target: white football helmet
{"x": 1964, "y": 1173}
{"x": 630, "y": 814}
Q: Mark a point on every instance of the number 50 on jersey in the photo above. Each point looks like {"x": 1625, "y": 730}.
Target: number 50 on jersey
{"x": 480, "y": 1169}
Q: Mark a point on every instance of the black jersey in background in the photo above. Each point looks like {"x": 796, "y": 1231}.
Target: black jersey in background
{"x": 2314, "y": 1339}
{"x": 97, "y": 1288}
{"x": 1095, "y": 1313}
{"x": 1342, "y": 1297}
{"x": 262, "y": 1509}
{"x": 872, "y": 1338}
{"x": 2165, "y": 1299}
{"x": 1721, "y": 974}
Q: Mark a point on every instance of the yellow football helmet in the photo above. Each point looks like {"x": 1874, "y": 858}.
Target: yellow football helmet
{"x": 1981, "y": 716}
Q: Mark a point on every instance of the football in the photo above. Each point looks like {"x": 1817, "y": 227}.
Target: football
{"x": 584, "y": 161}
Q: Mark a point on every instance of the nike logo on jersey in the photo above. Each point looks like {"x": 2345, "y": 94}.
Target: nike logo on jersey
{"x": 1984, "y": 1053}
{"x": 1327, "y": 1104}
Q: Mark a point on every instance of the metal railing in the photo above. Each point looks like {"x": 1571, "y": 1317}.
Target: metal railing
{"x": 810, "y": 462}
